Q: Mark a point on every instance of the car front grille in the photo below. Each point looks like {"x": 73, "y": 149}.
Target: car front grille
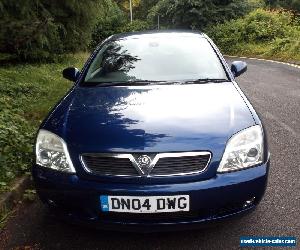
{"x": 164, "y": 164}
{"x": 105, "y": 165}
{"x": 180, "y": 165}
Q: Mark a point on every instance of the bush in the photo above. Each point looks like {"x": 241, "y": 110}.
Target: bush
{"x": 27, "y": 93}
{"x": 262, "y": 26}
{"x": 136, "y": 25}
{"x": 261, "y": 32}
{"x": 16, "y": 137}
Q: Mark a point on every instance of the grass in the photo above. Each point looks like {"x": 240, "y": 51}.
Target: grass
{"x": 264, "y": 51}
{"x": 27, "y": 94}
{"x": 44, "y": 80}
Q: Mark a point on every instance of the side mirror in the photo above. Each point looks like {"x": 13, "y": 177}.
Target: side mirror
{"x": 238, "y": 68}
{"x": 71, "y": 74}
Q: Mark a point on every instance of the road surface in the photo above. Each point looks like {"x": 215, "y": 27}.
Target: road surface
{"x": 274, "y": 90}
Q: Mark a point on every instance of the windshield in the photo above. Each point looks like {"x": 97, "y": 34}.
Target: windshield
{"x": 155, "y": 58}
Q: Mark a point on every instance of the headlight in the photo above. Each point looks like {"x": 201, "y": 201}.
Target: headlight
{"x": 243, "y": 150}
{"x": 51, "y": 152}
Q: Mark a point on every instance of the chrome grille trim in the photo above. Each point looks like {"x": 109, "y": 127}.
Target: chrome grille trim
{"x": 152, "y": 165}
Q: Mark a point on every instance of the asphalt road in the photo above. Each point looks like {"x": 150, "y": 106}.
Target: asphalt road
{"x": 274, "y": 90}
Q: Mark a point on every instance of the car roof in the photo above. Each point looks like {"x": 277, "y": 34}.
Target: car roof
{"x": 157, "y": 33}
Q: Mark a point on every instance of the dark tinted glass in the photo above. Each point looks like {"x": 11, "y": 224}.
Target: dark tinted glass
{"x": 163, "y": 57}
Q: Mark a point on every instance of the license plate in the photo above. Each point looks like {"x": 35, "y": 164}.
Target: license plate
{"x": 146, "y": 204}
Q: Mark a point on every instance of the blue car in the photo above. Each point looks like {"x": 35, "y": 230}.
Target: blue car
{"x": 154, "y": 135}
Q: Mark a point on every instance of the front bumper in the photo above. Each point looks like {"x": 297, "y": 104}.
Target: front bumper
{"x": 210, "y": 200}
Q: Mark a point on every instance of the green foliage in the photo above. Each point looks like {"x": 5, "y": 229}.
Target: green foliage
{"x": 41, "y": 29}
{"x": 29, "y": 195}
{"x": 136, "y": 25}
{"x": 109, "y": 22}
{"x": 16, "y": 136}
{"x": 141, "y": 10}
{"x": 261, "y": 32}
{"x": 287, "y": 4}
{"x": 124, "y": 4}
{"x": 27, "y": 92}
{"x": 113, "y": 21}
{"x": 197, "y": 14}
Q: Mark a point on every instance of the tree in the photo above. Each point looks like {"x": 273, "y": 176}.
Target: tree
{"x": 142, "y": 9}
{"x": 198, "y": 14}
{"x": 113, "y": 20}
{"x": 109, "y": 21}
{"x": 287, "y": 4}
{"x": 125, "y": 3}
{"x": 40, "y": 29}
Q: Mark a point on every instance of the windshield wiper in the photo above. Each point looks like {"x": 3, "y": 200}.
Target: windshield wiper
{"x": 126, "y": 83}
{"x": 152, "y": 82}
{"x": 205, "y": 80}
{"x": 147, "y": 82}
